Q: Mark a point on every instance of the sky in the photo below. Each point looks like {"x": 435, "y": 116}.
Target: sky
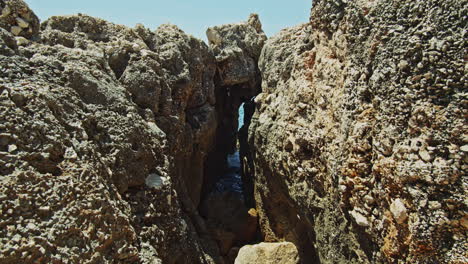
{"x": 192, "y": 16}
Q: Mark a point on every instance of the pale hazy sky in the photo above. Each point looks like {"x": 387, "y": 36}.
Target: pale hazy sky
{"x": 192, "y": 16}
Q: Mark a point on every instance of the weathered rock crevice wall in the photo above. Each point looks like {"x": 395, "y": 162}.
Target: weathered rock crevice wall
{"x": 357, "y": 139}
{"x": 114, "y": 125}
{"x": 237, "y": 49}
{"x": 354, "y": 148}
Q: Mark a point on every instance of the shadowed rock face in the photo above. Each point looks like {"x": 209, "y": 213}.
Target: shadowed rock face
{"x": 358, "y": 140}
{"x": 237, "y": 48}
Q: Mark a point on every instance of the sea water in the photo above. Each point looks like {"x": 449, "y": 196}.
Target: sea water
{"x": 231, "y": 180}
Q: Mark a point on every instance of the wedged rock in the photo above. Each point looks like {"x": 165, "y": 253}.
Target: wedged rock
{"x": 357, "y": 133}
{"x": 268, "y": 253}
{"x": 17, "y": 18}
{"x": 237, "y": 48}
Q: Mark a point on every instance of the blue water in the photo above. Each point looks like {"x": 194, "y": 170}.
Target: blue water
{"x": 241, "y": 115}
{"x": 231, "y": 180}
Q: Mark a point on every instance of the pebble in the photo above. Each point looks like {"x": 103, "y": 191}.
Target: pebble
{"x": 464, "y": 148}
{"x": 12, "y": 148}
{"x": 403, "y": 65}
{"x": 398, "y": 210}
{"x": 424, "y": 154}
{"x": 360, "y": 219}
{"x": 44, "y": 209}
{"x": 31, "y": 226}
{"x": 369, "y": 199}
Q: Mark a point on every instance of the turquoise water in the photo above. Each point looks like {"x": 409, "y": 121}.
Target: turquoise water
{"x": 231, "y": 180}
{"x": 241, "y": 115}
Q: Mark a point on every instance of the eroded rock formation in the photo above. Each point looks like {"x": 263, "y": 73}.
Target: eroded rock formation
{"x": 359, "y": 138}
{"x": 237, "y": 48}
{"x": 355, "y": 150}
{"x": 105, "y": 132}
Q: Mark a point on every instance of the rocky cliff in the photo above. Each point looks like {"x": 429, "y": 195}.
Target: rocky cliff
{"x": 355, "y": 150}
{"x": 359, "y": 143}
{"x": 105, "y": 135}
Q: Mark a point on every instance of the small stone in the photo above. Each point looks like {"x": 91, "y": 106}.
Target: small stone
{"x": 20, "y": 41}
{"x": 136, "y": 47}
{"x": 342, "y": 188}
{"x": 360, "y": 219}
{"x": 369, "y": 199}
{"x": 31, "y": 226}
{"x": 15, "y": 30}
{"x": 424, "y": 154}
{"x": 22, "y": 23}
{"x": 434, "y": 205}
{"x": 464, "y": 148}
{"x": 44, "y": 209}
{"x": 398, "y": 210}
{"x": 16, "y": 238}
{"x": 154, "y": 181}
{"x": 70, "y": 153}
{"x": 12, "y": 148}
{"x": 403, "y": 65}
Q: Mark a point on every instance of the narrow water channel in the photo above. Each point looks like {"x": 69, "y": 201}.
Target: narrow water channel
{"x": 231, "y": 180}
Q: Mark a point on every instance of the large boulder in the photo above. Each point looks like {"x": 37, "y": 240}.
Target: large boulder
{"x": 17, "y": 18}
{"x": 268, "y": 253}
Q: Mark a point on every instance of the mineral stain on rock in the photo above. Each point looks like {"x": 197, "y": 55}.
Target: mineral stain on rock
{"x": 123, "y": 145}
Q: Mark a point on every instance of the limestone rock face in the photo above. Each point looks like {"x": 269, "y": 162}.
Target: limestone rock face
{"x": 268, "y": 253}
{"x": 104, "y": 131}
{"x": 17, "y": 18}
{"x": 357, "y": 141}
{"x": 237, "y": 48}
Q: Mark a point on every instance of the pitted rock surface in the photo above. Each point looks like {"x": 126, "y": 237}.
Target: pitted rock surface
{"x": 98, "y": 121}
{"x": 359, "y": 132}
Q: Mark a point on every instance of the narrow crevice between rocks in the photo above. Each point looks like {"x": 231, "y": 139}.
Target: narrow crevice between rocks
{"x": 227, "y": 205}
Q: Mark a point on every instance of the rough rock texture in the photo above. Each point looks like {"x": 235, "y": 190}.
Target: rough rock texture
{"x": 360, "y": 136}
{"x": 237, "y": 48}
{"x": 17, "y": 18}
{"x": 268, "y": 253}
{"x": 104, "y": 134}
